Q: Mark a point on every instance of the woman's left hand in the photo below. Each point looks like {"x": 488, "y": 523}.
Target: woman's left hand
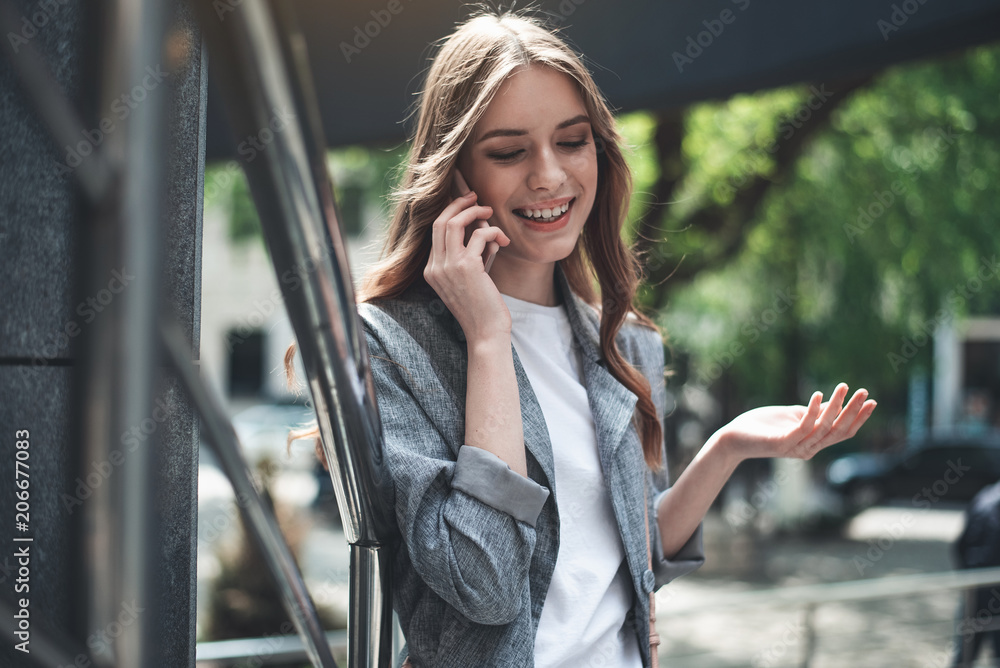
{"x": 797, "y": 431}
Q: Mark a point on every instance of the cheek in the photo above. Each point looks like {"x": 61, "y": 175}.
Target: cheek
{"x": 495, "y": 188}
{"x": 584, "y": 166}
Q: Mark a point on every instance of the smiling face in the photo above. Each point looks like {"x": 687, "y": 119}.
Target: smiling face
{"x": 532, "y": 158}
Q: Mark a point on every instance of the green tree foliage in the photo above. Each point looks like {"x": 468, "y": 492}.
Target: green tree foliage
{"x": 843, "y": 255}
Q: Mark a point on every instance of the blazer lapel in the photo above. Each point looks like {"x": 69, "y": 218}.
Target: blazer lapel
{"x": 611, "y": 403}
{"x": 536, "y": 432}
{"x": 613, "y": 407}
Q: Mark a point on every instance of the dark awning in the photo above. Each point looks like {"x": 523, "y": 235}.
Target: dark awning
{"x": 368, "y": 56}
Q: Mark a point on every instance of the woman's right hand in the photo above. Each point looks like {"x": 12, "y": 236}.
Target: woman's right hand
{"x": 458, "y": 275}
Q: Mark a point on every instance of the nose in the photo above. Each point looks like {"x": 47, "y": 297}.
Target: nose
{"x": 547, "y": 172}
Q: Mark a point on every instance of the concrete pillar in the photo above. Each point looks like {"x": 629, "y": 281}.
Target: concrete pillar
{"x": 45, "y": 316}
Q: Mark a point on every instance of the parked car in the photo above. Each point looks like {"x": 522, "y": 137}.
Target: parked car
{"x": 949, "y": 468}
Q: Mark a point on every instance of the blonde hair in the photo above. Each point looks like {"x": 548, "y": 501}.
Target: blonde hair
{"x": 468, "y": 70}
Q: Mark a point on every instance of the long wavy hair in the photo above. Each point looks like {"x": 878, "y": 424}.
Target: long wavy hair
{"x": 468, "y": 70}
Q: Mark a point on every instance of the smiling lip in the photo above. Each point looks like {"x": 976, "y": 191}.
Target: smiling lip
{"x": 552, "y": 225}
{"x": 548, "y": 204}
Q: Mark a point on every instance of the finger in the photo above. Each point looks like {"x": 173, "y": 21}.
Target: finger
{"x": 454, "y": 236}
{"x": 484, "y": 236}
{"x": 808, "y": 421}
{"x": 840, "y": 430}
{"x": 866, "y": 412}
{"x": 455, "y": 206}
{"x": 440, "y": 224}
{"x": 846, "y": 418}
{"x": 836, "y": 404}
{"x": 491, "y": 248}
{"x": 829, "y": 414}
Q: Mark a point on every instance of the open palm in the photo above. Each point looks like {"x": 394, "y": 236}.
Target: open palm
{"x": 799, "y": 431}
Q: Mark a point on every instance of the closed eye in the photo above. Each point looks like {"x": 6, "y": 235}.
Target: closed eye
{"x": 510, "y": 156}
{"x": 505, "y": 157}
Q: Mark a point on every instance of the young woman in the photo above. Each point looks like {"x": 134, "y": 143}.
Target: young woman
{"x": 521, "y": 407}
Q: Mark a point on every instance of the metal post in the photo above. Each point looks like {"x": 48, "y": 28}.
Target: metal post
{"x": 809, "y": 643}
{"x": 121, "y": 360}
{"x": 367, "y": 624}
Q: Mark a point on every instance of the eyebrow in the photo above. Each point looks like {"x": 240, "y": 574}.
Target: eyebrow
{"x": 505, "y": 132}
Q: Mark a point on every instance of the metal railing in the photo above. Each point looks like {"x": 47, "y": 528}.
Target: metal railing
{"x": 259, "y": 55}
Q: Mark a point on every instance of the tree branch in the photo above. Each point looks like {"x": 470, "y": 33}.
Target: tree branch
{"x": 732, "y": 222}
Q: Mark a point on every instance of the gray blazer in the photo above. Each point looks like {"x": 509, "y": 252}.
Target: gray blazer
{"x": 480, "y": 541}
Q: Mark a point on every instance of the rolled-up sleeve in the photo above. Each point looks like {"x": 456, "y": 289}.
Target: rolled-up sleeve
{"x": 467, "y": 521}
{"x": 688, "y": 558}
{"x": 481, "y": 474}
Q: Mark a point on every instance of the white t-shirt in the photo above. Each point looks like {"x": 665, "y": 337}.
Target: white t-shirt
{"x": 589, "y": 597}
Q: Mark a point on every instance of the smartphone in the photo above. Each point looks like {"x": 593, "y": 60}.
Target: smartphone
{"x": 462, "y": 188}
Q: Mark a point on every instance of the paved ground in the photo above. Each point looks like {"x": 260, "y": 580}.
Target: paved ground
{"x": 912, "y": 631}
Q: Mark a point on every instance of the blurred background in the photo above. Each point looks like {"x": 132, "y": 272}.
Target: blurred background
{"x": 793, "y": 236}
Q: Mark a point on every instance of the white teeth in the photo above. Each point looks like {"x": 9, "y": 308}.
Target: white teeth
{"x": 545, "y": 215}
